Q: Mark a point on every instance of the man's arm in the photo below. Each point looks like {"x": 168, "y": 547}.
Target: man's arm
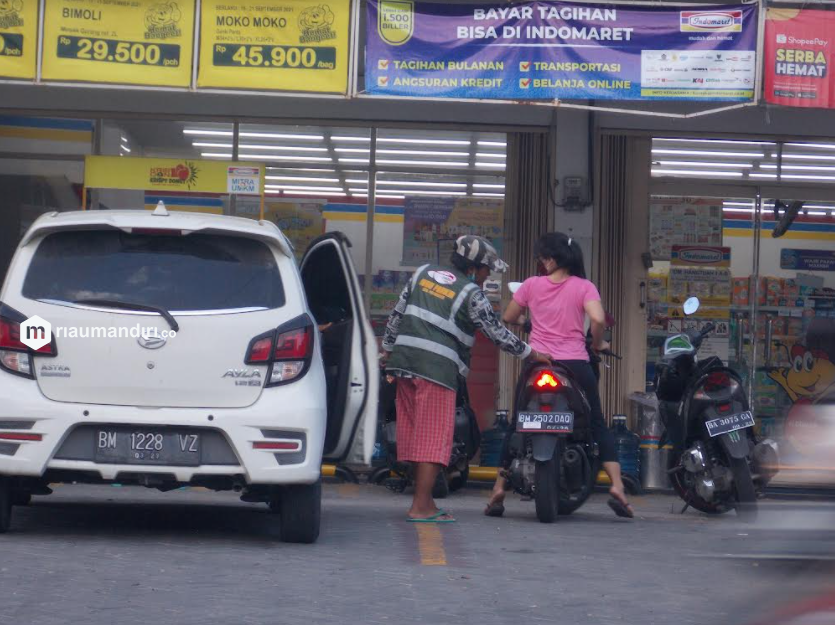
{"x": 396, "y": 316}
{"x": 485, "y": 319}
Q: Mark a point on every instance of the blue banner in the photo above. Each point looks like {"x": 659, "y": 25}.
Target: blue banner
{"x": 559, "y": 50}
{"x": 809, "y": 260}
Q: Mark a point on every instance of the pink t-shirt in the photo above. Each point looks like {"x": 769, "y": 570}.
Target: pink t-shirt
{"x": 558, "y": 315}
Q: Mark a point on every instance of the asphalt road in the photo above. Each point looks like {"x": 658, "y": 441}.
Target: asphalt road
{"x": 129, "y": 555}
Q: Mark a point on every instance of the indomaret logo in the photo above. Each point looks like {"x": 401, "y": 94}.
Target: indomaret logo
{"x": 711, "y": 21}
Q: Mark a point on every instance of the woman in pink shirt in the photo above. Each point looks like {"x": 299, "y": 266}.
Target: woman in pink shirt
{"x": 558, "y": 303}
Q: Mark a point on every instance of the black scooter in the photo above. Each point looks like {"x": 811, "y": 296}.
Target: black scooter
{"x": 397, "y": 476}
{"x": 717, "y": 463}
{"x": 554, "y": 459}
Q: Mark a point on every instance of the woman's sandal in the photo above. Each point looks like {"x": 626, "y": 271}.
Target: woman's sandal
{"x": 623, "y": 510}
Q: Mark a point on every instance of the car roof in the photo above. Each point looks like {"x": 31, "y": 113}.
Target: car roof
{"x": 159, "y": 219}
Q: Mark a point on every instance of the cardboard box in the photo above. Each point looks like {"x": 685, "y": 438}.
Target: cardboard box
{"x": 774, "y": 291}
{"x": 741, "y": 291}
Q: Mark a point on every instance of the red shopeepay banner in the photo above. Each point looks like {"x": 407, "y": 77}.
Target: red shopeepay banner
{"x": 798, "y": 57}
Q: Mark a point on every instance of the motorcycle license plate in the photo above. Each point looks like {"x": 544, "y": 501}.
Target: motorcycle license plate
{"x": 553, "y": 422}
{"x": 724, "y": 425}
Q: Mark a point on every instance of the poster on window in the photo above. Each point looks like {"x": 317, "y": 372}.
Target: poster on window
{"x": 431, "y": 225}
{"x": 683, "y": 221}
{"x": 798, "y": 57}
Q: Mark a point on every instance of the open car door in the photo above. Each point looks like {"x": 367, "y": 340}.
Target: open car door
{"x": 349, "y": 349}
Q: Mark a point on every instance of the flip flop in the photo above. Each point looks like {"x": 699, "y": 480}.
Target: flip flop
{"x": 621, "y": 509}
{"x": 494, "y": 509}
{"x": 435, "y": 518}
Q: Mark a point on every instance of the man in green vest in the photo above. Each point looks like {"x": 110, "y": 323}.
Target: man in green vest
{"x": 427, "y": 347}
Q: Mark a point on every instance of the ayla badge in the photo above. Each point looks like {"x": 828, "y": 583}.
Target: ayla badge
{"x": 396, "y": 21}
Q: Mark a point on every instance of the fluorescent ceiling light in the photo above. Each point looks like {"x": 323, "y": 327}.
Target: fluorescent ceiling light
{"x": 295, "y": 169}
{"x": 316, "y": 193}
{"x": 422, "y": 141}
{"x": 489, "y": 155}
{"x": 208, "y": 133}
{"x": 493, "y": 144}
{"x": 802, "y": 167}
{"x": 709, "y": 153}
{"x": 422, "y": 153}
{"x": 124, "y": 138}
{"x": 822, "y": 146}
{"x": 480, "y": 185}
{"x": 482, "y": 194}
{"x": 807, "y": 177}
{"x": 491, "y": 165}
{"x": 291, "y": 187}
{"x": 705, "y": 164}
{"x": 690, "y": 172}
{"x": 282, "y": 157}
{"x": 415, "y": 183}
{"x": 753, "y": 174}
{"x": 353, "y": 150}
{"x": 380, "y": 195}
{"x": 279, "y": 135}
{"x": 809, "y": 157}
{"x": 751, "y": 203}
{"x": 353, "y": 139}
{"x": 738, "y": 210}
{"x": 215, "y": 155}
{"x": 301, "y": 179}
{"x": 255, "y": 146}
{"x": 126, "y": 149}
{"x": 361, "y": 161}
{"x": 816, "y": 213}
{"x": 723, "y": 141}
{"x": 414, "y": 192}
{"x": 427, "y": 163}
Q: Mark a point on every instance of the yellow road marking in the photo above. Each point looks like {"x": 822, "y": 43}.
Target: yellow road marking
{"x": 430, "y": 545}
{"x": 348, "y": 490}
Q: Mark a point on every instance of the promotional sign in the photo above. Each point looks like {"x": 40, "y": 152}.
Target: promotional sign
{"x": 165, "y": 174}
{"x": 683, "y": 221}
{"x": 557, "y": 50}
{"x": 432, "y": 224}
{"x": 809, "y": 260}
{"x": 798, "y": 57}
{"x": 290, "y": 45}
{"x": 141, "y": 42}
{"x": 18, "y": 38}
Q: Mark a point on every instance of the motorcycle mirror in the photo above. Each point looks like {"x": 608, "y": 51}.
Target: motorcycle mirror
{"x": 691, "y": 306}
{"x": 513, "y": 286}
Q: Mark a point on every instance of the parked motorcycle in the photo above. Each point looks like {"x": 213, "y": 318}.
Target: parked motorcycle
{"x": 397, "y": 476}
{"x": 554, "y": 459}
{"x": 717, "y": 463}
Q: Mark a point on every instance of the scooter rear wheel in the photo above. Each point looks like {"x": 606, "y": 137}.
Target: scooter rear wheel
{"x": 547, "y": 492}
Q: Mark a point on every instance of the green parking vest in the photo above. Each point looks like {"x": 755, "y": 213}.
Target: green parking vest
{"x": 436, "y": 333}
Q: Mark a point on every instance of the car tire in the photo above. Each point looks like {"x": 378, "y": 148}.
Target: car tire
{"x": 5, "y": 505}
{"x": 300, "y": 510}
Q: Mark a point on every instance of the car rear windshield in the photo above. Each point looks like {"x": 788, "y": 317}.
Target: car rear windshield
{"x": 196, "y": 272}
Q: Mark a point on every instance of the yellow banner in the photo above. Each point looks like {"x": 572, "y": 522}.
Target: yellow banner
{"x": 18, "y": 38}
{"x": 286, "y": 45}
{"x": 139, "y": 42}
{"x": 171, "y": 174}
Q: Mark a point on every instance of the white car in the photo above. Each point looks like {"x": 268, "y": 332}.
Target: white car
{"x": 248, "y": 395}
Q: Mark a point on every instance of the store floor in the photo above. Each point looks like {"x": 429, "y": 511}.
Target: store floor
{"x": 95, "y": 555}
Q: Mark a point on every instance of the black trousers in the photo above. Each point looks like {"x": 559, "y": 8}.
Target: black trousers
{"x": 584, "y": 375}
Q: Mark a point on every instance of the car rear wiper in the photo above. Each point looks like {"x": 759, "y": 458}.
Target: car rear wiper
{"x": 113, "y": 303}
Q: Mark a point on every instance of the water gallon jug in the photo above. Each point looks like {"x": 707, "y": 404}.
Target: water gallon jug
{"x": 628, "y": 446}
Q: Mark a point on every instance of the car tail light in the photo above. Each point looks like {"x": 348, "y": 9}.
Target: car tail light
{"x": 278, "y": 445}
{"x": 288, "y": 350}
{"x": 20, "y": 436}
{"x": 15, "y": 357}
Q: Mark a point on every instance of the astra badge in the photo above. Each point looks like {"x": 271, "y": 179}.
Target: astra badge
{"x": 151, "y": 342}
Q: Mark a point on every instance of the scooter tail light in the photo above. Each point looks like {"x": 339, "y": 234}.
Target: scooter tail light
{"x": 547, "y": 381}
